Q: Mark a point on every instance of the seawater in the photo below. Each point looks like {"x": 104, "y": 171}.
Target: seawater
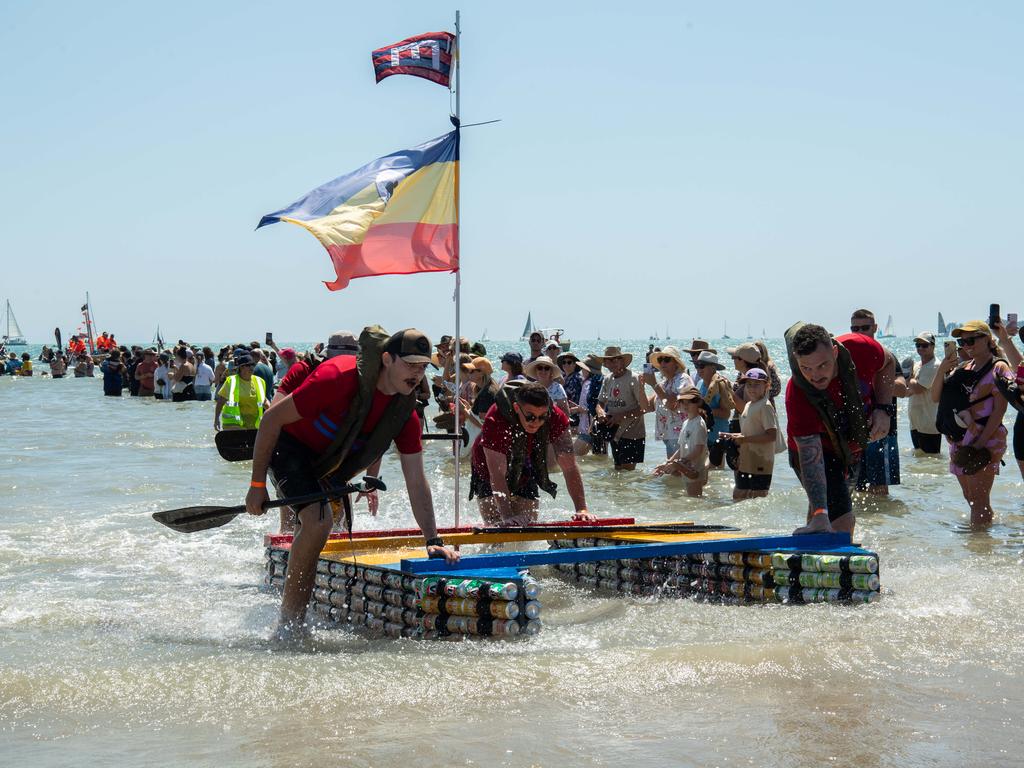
{"x": 125, "y": 643}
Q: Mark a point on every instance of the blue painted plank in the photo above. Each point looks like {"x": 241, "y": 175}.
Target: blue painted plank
{"x": 484, "y": 574}
{"x": 815, "y": 543}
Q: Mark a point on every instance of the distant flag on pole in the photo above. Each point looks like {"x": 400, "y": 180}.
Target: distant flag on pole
{"x": 394, "y": 216}
{"x": 428, "y": 56}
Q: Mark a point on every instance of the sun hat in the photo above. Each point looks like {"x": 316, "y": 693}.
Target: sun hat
{"x": 754, "y": 374}
{"x": 746, "y": 352}
{"x": 615, "y": 352}
{"x": 341, "y": 343}
{"x": 926, "y": 337}
{"x": 411, "y": 345}
{"x": 669, "y": 351}
{"x": 592, "y": 364}
{"x": 709, "y": 358}
{"x": 972, "y": 326}
{"x": 565, "y": 356}
{"x": 690, "y": 393}
{"x": 530, "y": 369}
{"x": 446, "y": 339}
{"x": 698, "y": 345}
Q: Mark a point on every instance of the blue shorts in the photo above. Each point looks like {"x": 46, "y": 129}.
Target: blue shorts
{"x": 880, "y": 464}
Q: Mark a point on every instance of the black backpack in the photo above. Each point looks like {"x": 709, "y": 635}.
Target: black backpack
{"x": 956, "y": 397}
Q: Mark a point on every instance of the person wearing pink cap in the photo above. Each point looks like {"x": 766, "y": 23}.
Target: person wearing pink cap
{"x": 756, "y": 438}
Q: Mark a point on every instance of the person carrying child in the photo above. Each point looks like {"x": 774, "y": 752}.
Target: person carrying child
{"x": 756, "y": 438}
{"x": 691, "y": 460}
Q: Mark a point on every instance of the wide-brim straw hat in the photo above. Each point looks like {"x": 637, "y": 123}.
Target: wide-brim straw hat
{"x": 672, "y": 352}
{"x": 699, "y": 345}
{"x": 531, "y": 368}
{"x": 709, "y": 358}
{"x": 592, "y": 364}
{"x": 615, "y": 352}
{"x": 562, "y": 358}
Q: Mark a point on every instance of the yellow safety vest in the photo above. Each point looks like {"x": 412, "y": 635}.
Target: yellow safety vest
{"x": 231, "y": 413}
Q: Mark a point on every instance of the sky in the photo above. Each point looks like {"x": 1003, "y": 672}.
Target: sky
{"x": 665, "y": 165}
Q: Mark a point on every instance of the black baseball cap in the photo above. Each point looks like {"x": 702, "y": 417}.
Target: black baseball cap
{"x": 411, "y": 345}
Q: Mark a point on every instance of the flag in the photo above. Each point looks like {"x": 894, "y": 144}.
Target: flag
{"x": 428, "y": 55}
{"x": 394, "y": 216}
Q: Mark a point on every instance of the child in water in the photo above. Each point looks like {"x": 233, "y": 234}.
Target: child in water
{"x": 691, "y": 460}
{"x": 756, "y": 438}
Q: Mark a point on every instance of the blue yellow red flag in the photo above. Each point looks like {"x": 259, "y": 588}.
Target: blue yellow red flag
{"x": 394, "y": 216}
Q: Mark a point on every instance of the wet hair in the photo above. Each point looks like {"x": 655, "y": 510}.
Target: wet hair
{"x": 534, "y": 394}
{"x": 807, "y": 340}
{"x": 866, "y": 314}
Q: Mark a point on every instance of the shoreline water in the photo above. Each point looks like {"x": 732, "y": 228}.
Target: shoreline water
{"x": 124, "y": 642}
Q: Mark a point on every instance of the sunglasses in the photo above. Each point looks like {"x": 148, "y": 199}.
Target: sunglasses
{"x": 861, "y": 328}
{"x": 922, "y": 344}
{"x": 544, "y": 368}
{"x": 965, "y": 341}
{"x": 703, "y": 365}
{"x": 530, "y": 417}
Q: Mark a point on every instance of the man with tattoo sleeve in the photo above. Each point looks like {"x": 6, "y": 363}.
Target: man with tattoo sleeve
{"x": 836, "y": 402}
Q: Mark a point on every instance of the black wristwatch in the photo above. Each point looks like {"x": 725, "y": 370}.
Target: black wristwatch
{"x": 437, "y": 541}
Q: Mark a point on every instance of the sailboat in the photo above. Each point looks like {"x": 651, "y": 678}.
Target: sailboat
{"x": 528, "y": 328}
{"x": 941, "y": 329}
{"x": 725, "y": 330}
{"x": 888, "y": 333}
{"x": 12, "y": 331}
{"x": 158, "y": 340}
{"x": 484, "y": 339}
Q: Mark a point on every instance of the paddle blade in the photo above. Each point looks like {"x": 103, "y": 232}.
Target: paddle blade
{"x": 236, "y": 444}
{"x": 192, "y": 519}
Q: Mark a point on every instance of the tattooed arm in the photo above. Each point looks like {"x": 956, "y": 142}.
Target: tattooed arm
{"x": 812, "y": 470}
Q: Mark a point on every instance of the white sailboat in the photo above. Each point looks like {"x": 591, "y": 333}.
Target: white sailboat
{"x": 889, "y": 332}
{"x": 484, "y": 339}
{"x": 12, "y": 331}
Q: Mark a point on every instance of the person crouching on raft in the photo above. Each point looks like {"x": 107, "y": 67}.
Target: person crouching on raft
{"x": 510, "y": 457}
{"x": 336, "y": 426}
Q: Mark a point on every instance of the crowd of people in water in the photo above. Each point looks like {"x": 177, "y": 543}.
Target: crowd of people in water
{"x": 840, "y": 404}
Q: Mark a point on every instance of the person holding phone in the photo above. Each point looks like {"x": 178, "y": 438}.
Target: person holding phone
{"x": 1005, "y": 335}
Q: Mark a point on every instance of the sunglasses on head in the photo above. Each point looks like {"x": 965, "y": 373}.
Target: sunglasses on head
{"x": 861, "y": 328}
{"x": 531, "y": 417}
{"x": 964, "y": 341}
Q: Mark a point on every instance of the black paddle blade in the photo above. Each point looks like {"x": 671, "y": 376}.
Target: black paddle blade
{"x": 236, "y": 444}
{"x": 192, "y": 519}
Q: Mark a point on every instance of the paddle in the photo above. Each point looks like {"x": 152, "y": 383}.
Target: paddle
{"x": 56, "y": 335}
{"x": 192, "y": 519}
{"x": 237, "y": 444}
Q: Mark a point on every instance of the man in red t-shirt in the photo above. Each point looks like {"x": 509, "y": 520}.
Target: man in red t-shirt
{"x": 299, "y": 429}
{"x": 509, "y": 445}
{"x": 822, "y": 471}
{"x": 144, "y": 373}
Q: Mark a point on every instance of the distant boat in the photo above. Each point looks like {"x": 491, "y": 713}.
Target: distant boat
{"x": 889, "y": 332}
{"x": 484, "y": 338}
{"x": 748, "y": 332}
{"x": 941, "y": 329}
{"x": 725, "y": 331}
{"x": 653, "y": 337}
{"x": 555, "y": 334}
{"x": 12, "y": 333}
{"x": 528, "y": 328}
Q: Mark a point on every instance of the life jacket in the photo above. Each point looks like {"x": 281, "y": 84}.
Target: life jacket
{"x": 231, "y": 413}
{"x": 538, "y": 456}
{"x": 847, "y": 423}
{"x": 956, "y": 397}
{"x": 345, "y": 457}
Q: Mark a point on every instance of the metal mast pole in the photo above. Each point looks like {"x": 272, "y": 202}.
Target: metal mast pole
{"x": 458, "y": 283}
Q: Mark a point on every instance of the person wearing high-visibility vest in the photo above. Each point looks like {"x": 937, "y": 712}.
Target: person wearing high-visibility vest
{"x": 242, "y": 398}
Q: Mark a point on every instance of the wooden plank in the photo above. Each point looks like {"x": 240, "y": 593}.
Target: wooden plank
{"x": 814, "y": 542}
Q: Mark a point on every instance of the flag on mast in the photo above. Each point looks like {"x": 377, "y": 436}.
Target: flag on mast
{"x": 394, "y": 216}
{"x": 428, "y": 56}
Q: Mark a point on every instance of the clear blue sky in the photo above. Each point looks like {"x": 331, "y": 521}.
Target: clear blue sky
{"x": 664, "y": 162}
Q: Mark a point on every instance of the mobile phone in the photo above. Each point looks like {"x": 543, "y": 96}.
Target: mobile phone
{"x": 1011, "y": 318}
{"x": 993, "y": 315}
{"x": 270, "y": 338}
{"x": 949, "y": 348}
{"x": 648, "y": 368}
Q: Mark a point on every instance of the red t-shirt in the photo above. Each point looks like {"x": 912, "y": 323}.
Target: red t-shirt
{"x": 496, "y": 434}
{"x": 801, "y": 418}
{"x": 297, "y": 374}
{"x": 323, "y": 400}
{"x": 145, "y": 371}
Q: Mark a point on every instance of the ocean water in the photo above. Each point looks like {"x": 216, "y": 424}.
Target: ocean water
{"x": 125, "y": 643}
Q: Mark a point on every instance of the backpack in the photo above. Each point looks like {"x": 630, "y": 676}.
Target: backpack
{"x": 956, "y": 397}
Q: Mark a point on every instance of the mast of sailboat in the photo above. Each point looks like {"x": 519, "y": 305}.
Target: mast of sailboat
{"x": 87, "y": 311}
{"x": 458, "y": 274}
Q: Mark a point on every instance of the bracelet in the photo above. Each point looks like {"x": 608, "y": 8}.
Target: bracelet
{"x": 254, "y": 484}
{"x": 820, "y": 511}
{"x": 437, "y": 541}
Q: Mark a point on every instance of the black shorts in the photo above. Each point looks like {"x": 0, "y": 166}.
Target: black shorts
{"x": 716, "y": 452}
{"x": 750, "y": 482}
{"x": 291, "y": 468}
{"x": 837, "y": 481}
{"x": 1018, "y": 437}
{"x": 628, "y": 451}
{"x": 480, "y": 487}
{"x": 926, "y": 442}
